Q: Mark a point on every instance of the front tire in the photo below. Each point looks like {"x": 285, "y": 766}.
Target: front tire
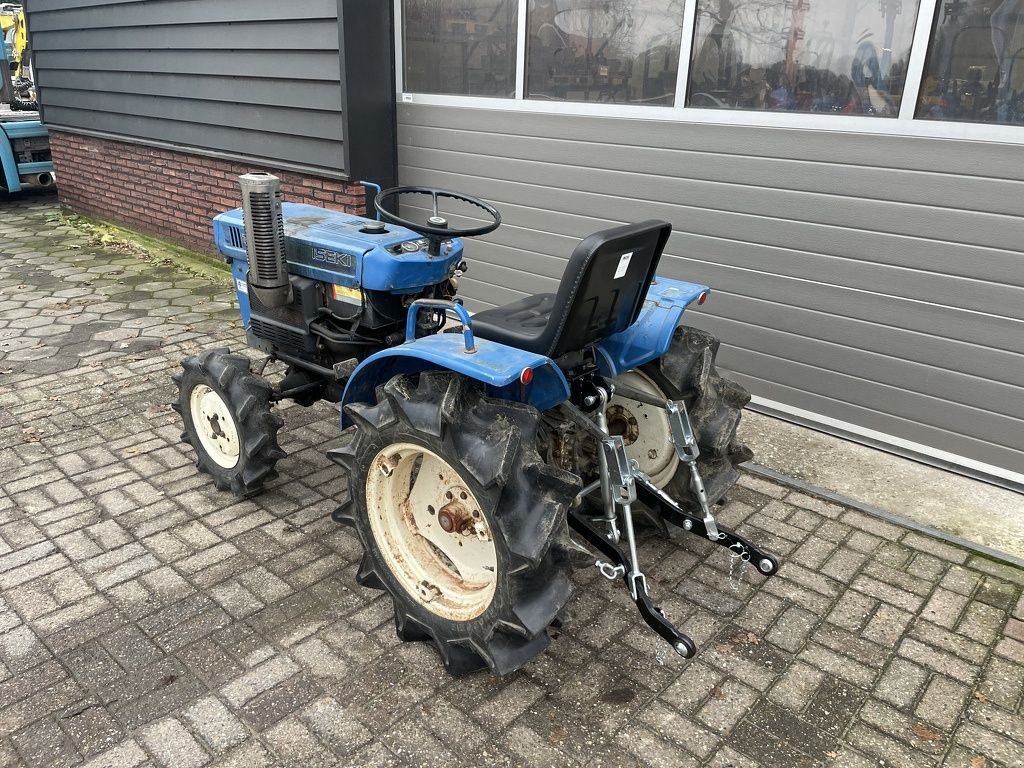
{"x": 460, "y": 520}
{"x": 226, "y": 412}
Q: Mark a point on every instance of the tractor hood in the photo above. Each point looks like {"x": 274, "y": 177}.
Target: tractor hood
{"x": 342, "y": 249}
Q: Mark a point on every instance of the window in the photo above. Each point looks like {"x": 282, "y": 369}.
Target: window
{"x": 829, "y": 56}
{"x": 772, "y": 62}
{"x": 975, "y": 69}
{"x": 612, "y": 51}
{"x": 464, "y": 47}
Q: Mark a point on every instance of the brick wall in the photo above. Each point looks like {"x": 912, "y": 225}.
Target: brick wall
{"x": 172, "y": 195}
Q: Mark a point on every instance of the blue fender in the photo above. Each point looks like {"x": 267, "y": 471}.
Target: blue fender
{"x": 651, "y": 335}
{"x": 8, "y": 163}
{"x": 497, "y": 366}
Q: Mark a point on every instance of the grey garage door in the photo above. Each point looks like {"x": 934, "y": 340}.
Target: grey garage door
{"x": 876, "y": 281}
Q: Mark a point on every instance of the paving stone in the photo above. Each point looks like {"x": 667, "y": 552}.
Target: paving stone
{"x": 249, "y": 755}
{"x": 945, "y": 607}
{"x": 1011, "y": 649}
{"x": 982, "y": 622}
{"x": 649, "y": 748}
{"x": 125, "y": 755}
{"x": 982, "y": 741}
{"x": 943, "y": 702}
{"x": 887, "y": 625}
{"x": 333, "y": 726}
{"x": 44, "y": 744}
{"x": 280, "y": 701}
{"x": 259, "y": 680}
{"x": 956, "y": 644}
{"x": 849, "y": 644}
{"x": 172, "y": 745}
{"x": 92, "y": 727}
{"x": 415, "y": 744}
{"x": 215, "y": 724}
{"x": 792, "y": 629}
{"x": 730, "y": 702}
{"x": 901, "y": 683}
{"x": 151, "y": 692}
{"x": 836, "y": 664}
{"x": 295, "y": 745}
{"x": 885, "y": 750}
{"x": 938, "y": 661}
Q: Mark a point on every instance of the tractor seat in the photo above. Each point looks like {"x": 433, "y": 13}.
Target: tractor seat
{"x": 601, "y": 293}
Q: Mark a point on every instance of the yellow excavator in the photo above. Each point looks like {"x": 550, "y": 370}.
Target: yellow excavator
{"x": 14, "y": 32}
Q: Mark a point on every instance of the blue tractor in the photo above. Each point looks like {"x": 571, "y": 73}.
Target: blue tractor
{"x": 485, "y": 455}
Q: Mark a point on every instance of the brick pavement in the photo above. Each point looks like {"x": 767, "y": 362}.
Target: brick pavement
{"x": 146, "y": 619}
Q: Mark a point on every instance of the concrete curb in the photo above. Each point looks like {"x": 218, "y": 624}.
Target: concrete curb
{"x": 868, "y": 509}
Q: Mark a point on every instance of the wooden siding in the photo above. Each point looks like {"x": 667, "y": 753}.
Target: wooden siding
{"x": 258, "y": 79}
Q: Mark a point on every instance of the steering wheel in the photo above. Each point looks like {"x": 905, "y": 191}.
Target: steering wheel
{"x": 437, "y": 229}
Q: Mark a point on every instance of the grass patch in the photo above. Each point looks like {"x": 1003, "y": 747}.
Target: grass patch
{"x": 112, "y": 238}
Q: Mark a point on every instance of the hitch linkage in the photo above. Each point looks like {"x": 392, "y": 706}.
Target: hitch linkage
{"x": 636, "y": 584}
{"x": 659, "y": 501}
{"x": 622, "y": 483}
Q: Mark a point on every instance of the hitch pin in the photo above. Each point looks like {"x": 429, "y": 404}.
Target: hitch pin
{"x": 609, "y": 571}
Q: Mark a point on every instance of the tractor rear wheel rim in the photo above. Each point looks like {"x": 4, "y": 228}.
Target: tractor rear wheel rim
{"x": 644, "y": 428}
{"x": 215, "y": 426}
{"x": 431, "y": 531}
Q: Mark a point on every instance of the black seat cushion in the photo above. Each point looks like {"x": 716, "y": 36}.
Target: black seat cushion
{"x": 518, "y": 324}
{"x": 601, "y": 293}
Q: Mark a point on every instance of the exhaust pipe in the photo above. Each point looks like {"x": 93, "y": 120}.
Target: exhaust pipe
{"x": 44, "y": 179}
{"x": 264, "y": 239}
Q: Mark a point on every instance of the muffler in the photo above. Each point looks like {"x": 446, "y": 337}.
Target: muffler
{"x": 264, "y": 239}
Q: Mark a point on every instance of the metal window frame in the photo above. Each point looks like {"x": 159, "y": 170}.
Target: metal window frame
{"x": 904, "y": 124}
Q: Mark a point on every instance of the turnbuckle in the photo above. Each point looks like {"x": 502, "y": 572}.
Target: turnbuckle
{"x": 688, "y": 451}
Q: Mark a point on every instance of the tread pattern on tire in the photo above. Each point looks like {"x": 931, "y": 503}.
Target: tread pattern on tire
{"x": 687, "y": 371}
{"x": 492, "y": 444}
{"x": 248, "y": 397}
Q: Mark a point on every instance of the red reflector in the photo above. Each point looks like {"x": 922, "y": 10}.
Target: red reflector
{"x": 702, "y": 298}
{"x": 526, "y": 376}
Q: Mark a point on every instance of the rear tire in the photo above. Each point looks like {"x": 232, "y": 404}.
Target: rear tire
{"x": 227, "y": 417}
{"x": 687, "y": 372}
{"x": 460, "y": 520}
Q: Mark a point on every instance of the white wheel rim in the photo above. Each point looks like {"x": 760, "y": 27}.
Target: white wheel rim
{"x": 431, "y": 531}
{"x": 644, "y": 428}
{"x": 215, "y": 426}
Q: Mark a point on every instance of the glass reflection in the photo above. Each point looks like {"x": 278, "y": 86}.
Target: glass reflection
{"x": 831, "y": 56}
{"x": 975, "y": 69}
{"x": 462, "y": 47}
{"x": 613, "y": 51}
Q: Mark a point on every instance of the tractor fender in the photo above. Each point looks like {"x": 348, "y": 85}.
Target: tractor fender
{"x": 651, "y": 335}
{"x": 8, "y": 163}
{"x": 497, "y": 366}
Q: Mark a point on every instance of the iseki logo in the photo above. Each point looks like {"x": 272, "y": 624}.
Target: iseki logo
{"x": 333, "y": 258}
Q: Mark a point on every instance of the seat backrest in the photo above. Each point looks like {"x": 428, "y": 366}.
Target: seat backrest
{"x": 604, "y": 285}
